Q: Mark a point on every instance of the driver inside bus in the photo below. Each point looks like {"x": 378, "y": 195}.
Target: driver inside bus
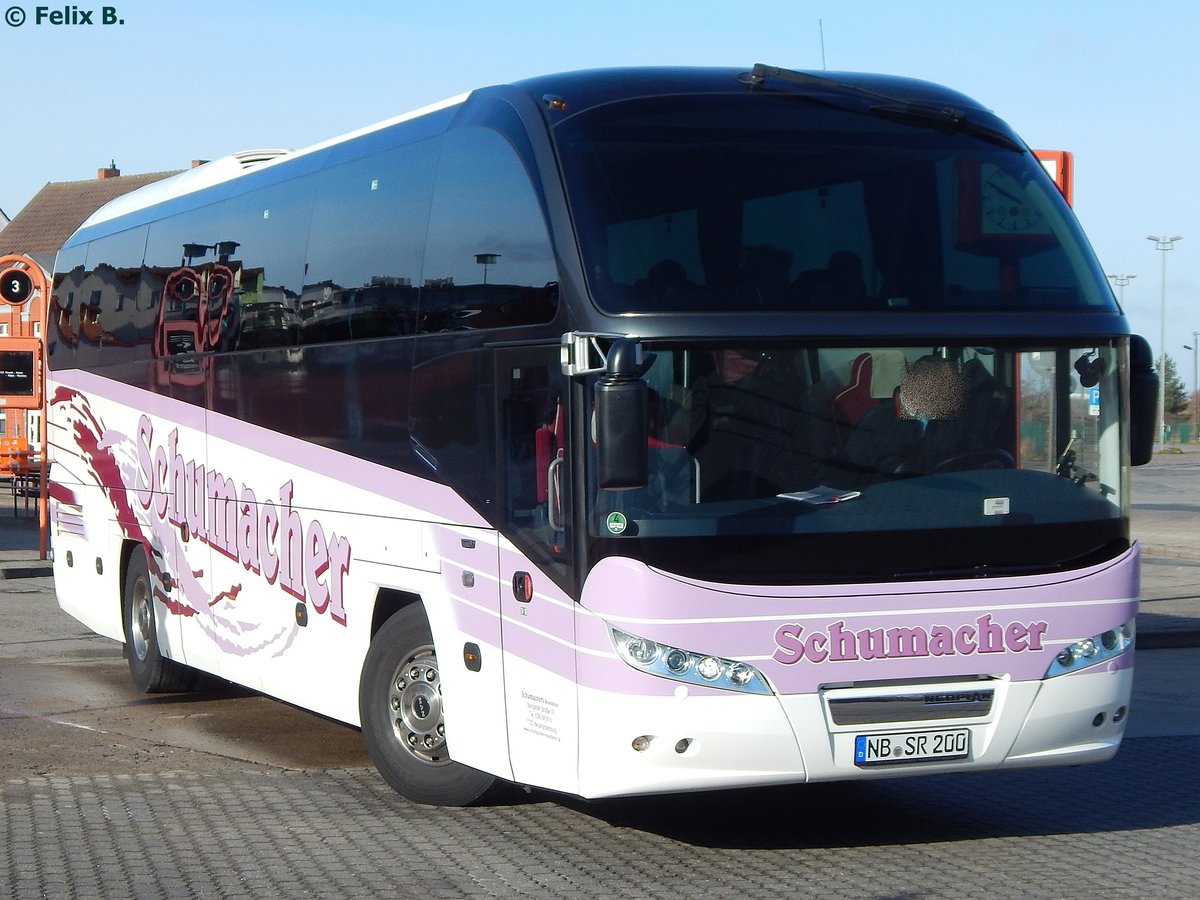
{"x": 922, "y": 427}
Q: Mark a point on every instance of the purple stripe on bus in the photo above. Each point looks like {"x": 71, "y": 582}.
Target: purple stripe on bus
{"x": 678, "y": 597}
{"x": 474, "y": 622}
{"x": 539, "y": 648}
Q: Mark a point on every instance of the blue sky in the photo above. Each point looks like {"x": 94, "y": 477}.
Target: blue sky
{"x": 1109, "y": 81}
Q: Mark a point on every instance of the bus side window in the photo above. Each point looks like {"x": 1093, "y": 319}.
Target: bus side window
{"x": 109, "y": 313}
{"x": 266, "y": 251}
{"x": 489, "y": 262}
{"x": 363, "y": 270}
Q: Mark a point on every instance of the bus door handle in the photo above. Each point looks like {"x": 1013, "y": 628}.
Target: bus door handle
{"x": 552, "y": 493}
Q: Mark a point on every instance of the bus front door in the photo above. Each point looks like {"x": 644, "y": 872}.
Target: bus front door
{"x": 537, "y": 613}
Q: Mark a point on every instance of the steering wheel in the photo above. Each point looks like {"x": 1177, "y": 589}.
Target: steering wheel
{"x": 986, "y": 458}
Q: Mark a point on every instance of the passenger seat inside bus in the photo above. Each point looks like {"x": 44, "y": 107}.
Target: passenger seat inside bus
{"x": 874, "y": 377}
{"x": 755, "y": 433}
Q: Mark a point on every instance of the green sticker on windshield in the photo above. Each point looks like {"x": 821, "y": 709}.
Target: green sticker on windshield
{"x": 617, "y": 523}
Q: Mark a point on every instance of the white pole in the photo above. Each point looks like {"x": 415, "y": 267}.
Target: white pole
{"x": 1164, "y": 244}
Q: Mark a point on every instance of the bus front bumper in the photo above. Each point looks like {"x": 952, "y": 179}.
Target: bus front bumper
{"x": 706, "y": 740}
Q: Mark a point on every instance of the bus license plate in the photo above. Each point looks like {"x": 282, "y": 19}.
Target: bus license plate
{"x": 911, "y": 746}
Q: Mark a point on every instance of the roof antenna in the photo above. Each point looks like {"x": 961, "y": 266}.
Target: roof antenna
{"x": 821, "y": 31}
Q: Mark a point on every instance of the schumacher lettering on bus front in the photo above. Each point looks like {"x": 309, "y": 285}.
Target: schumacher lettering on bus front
{"x": 841, "y": 644}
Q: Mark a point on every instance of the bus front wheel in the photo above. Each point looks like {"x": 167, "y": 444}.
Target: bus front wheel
{"x": 400, "y": 706}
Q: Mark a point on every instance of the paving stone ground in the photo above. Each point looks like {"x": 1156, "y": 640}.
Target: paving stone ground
{"x": 1128, "y": 828}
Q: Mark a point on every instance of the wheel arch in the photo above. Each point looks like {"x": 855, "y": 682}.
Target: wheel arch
{"x": 129, "y": 546}
{"x": 388, "y": 602}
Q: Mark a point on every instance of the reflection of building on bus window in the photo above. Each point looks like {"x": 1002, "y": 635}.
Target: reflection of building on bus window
{"x": 91, "y": 329}
{"x": 198, "y": 312}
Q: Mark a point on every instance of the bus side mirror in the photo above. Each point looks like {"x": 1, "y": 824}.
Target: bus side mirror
{"x": 622, "y": 424}
{"x": 1143, "y": 401}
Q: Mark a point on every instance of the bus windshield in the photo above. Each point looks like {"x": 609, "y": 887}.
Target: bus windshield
{"x": 732, "y": 203}
{"x": 831, "y": 463}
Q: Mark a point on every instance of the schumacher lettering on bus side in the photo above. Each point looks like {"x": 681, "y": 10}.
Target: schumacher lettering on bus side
{"x": 268, "y": 538}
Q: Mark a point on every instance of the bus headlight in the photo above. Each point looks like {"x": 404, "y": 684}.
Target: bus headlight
{"x": 1092, "y": 651}
{"x": 678, "y": 661}
{"x": 686, "y": 666}
{"x": 642, "y": 651}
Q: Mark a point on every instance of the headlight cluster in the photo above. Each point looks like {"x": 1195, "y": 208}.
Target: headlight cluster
{"x": 684, "y": 665}
{"x": 1092, "y": 651}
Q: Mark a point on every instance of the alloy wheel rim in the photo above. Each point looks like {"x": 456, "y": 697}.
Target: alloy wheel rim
{"x": 415, "y": 707}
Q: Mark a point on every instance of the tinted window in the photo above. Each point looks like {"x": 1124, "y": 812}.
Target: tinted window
{"x": 769, "y": 202}
{"x": 263, "y": 244}
{"x": 364, "y": 256}
{"x": 72, "y": 287}
{"x": 98, "y": 303}
{"x": 489, "y": 261}
{"x": 60, "y": 333}
{"x": 179, "y": 257}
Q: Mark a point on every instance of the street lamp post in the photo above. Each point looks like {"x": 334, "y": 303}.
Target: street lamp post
{"x": 1194, "y": 400}
{"x": 1120, "y": 281}
{"x": 485, "y": 260}
{"x": 1164, "y": 244}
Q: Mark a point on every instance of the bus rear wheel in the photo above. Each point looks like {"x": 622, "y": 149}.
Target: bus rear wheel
{"x": 152, "y": 673}
{"x": 400, "y": 707}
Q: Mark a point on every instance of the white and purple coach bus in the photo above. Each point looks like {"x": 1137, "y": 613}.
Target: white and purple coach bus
{"x": 616, "y": 432}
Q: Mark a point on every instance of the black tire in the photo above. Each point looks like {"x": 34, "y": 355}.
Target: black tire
{"x": 400, "y": 705}
{"x": 152, "y": 673}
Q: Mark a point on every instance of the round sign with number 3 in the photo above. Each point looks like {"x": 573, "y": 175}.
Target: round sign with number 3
{"x": 15, "y": 286}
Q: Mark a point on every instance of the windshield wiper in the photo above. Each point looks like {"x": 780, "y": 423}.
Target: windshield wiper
{"x": 944, "y": 117}
{"x": 882, "y": 104}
